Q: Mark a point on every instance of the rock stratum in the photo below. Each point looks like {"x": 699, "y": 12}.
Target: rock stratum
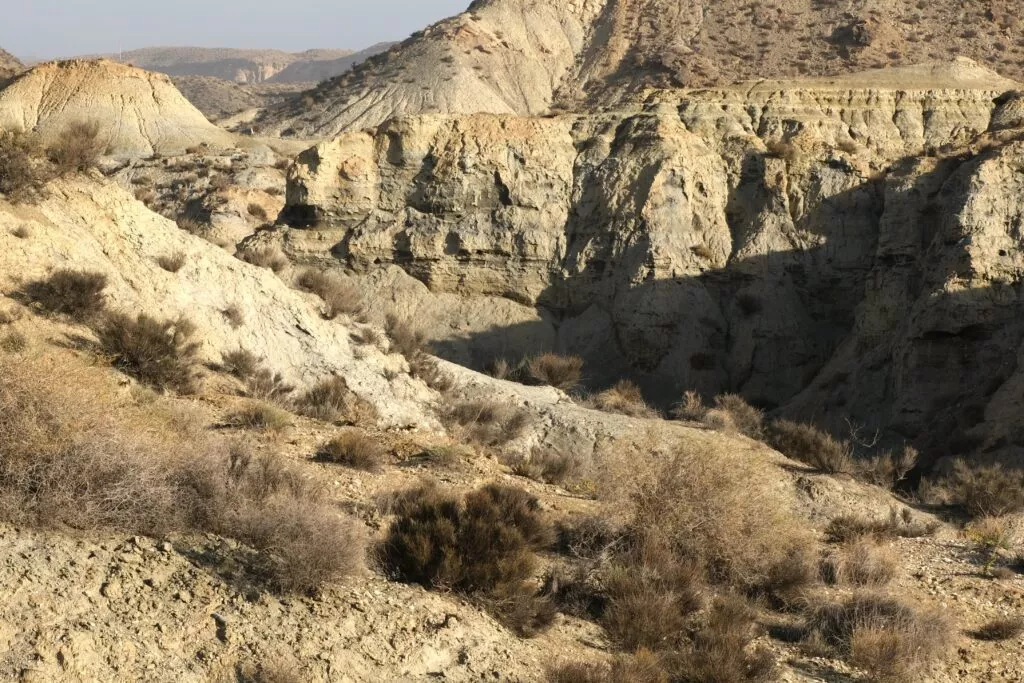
{"x": 141, "y": 113}
{"x": 832, "y": 249}
{"x": 530, "y": 57}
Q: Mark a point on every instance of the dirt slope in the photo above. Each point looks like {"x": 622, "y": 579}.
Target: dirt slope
{"x": 523, "y": 56}
{"x": 141, "y": 113}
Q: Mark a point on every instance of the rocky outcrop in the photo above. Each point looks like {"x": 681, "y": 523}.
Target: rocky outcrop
{"x": 140, "y": 113}
{"x": 534, "y": 57}
{"x": 9, "y": 65}
{"x": 745, "y": 239}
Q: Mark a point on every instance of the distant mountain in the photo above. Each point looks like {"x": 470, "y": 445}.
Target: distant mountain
{"x": 532, "y": 56}
{"x": 314, "y": 71}
{"x": 218, "y": 98}
{"x": 240, "y": 66}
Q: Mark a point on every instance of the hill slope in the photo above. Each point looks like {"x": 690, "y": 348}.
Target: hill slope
{"x": 9, "y": 64}
{"x": 141, "y": 112}
{"x": 242, "y": 66}
{"x": 524, "y": 56}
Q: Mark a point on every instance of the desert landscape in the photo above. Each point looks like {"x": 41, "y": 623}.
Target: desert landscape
{"x": 593, "y": 341}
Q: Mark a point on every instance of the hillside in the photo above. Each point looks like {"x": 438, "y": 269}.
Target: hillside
{"x": 527, "y": 57}
{"x": 218, "y": 98}
{"x": 9, "y": 65}
{"x": 316, "y": 70}
{"x": 238, "y": 65}
{"x": 140, "y": 113}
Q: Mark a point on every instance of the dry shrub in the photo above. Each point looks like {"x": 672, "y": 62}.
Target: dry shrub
{"x": 887, "y": 469}
{"x": 412, "y": 343}
{"x": 77, "y": 148}
{"x": 156, "y": 352}
{"x": 354, "y": 449}
{"x": 487, "y": 422}
{"x": 545, "y": 464}
{"x": 483, "y": 545}
{"x": 257, "y": 211}
{"x": 234, "y": 315}
{"x": 259, "y": 416}
{"x": 898, "y": 524}
{"x": 887, "y": 638}
{"x": 22, "y": 232}
{"x": 172, "y": 263}
{"x": 642, "y": 666}
{"x": 23, "y": 176}
{"x": 866, "y": 562}
{"x": 811, "y": 446}
{"x": 272, "y": 671}
{"x": 715, "y": 508}
{"x": 991, "y": 535}
{"x": 1003, "y": 628}
{"x": 271, "y": 258}
{"x": 651, "y": 600}
{"x": 984, "y": 490}
{"x": 624, "y": 398}
{"x": 332, "y": 401}
{"x": 691, "y": 408}
{"x": 562, "y": 372}
{"x": 340, "y": 295}
{"x": 74, "y": 293}
{"x": 13, "y": 342}
{"x": 259, "y": 382}
{"x": 745, "y": 417}
{"x": 720, "y": 651}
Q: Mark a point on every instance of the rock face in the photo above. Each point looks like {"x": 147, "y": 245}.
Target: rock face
{"x": 530, "y": 56}
{"x": 141, "y": 113}
{"x": 751, "y": 239}
{"x": 100, "y": 227}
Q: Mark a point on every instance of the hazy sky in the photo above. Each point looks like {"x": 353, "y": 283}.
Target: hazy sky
{"x": 58, "y": 28}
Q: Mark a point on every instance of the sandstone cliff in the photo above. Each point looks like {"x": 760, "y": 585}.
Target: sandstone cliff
{"x": 529, "y": 56}
{"x": 758, "y": 239}
{"x": 140, "y": 113}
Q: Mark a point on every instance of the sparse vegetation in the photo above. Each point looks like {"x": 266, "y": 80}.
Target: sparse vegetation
{"x": 157, "y": 352}
{"x": 482, "y": 544}
{"x": 77, "y": 148}
{"x": 172, "y": 263}
{"x": 354, "y": 449}
{"x": 887, "y": 638}
{"x": 23, "y": 176}
{"x": 271, "y": 258}
{"x": 1002, "y": 628}
{"x": 983, "y": 490}
{"x": 64, "y": 464}
{"x": 332, "y": 401}
{"x": 234, "y": 315}
{"x": 898, "y": 524}
{"x": 411, "y": 343}
{"x": 257, "y": 211}
{"x": 691, "y": 408}
{"x": 807, "y": 444}
{"x": 13, "y": 342}
{"x": 562, "y": 372}
{"x": 260, "y": 382}
{"x": 77, "y": 294}
{"x": 487, "y": 422}
{"x": 545, "y": 464}
{"x": 734, "y": 412}
{"x": 259, "y": 416}
{"x": 624, "y": 398}
{"x": 340, "y": 295}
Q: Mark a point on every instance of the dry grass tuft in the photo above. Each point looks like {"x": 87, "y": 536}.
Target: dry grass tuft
{"x": 340, "y": 295}
{"x": 412, "y": 343}
{"x": 257, "y": 211}
{"x": 74, "y": 455}
{"x": 691, "y": 408}
{"x": 259, "y": 416}
{"x": 172, "y": 263}
{"x": 545, "y": 464}
{"x": 78, "y": 147}
{"x": 743, "y": 416}
{"x": 642, "y": 666}
{"x": 487, "y": 422}
{"x": 354, "y": 449}
{"x": 157, "y": 352}
{"x": 898, "y": 524}
{"x": 866, "y": 562}
{"x": 481, "y": 545}
{"x": 77, "y": 294}
{"x": 624, "y": 398}
{"x": 984, "y": 490}
{"x": 13, "y": 342}
{"x": 562, "y": 372}
{"x": 270, "y": 258}
{"x": 332, "y": 401}
{"x": 23, "y": 177}
{"x": 811, "y": 446}
{"x": 1003, "y": 628}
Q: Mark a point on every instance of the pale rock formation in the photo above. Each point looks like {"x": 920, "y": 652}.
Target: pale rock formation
{"x": 141, "y": 113}
{"x": 731, "y": 240}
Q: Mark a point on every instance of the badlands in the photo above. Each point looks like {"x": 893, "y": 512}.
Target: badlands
{"x": 593, "y": 341}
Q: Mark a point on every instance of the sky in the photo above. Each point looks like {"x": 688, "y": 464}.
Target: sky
{"x": 63, "y": 28}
